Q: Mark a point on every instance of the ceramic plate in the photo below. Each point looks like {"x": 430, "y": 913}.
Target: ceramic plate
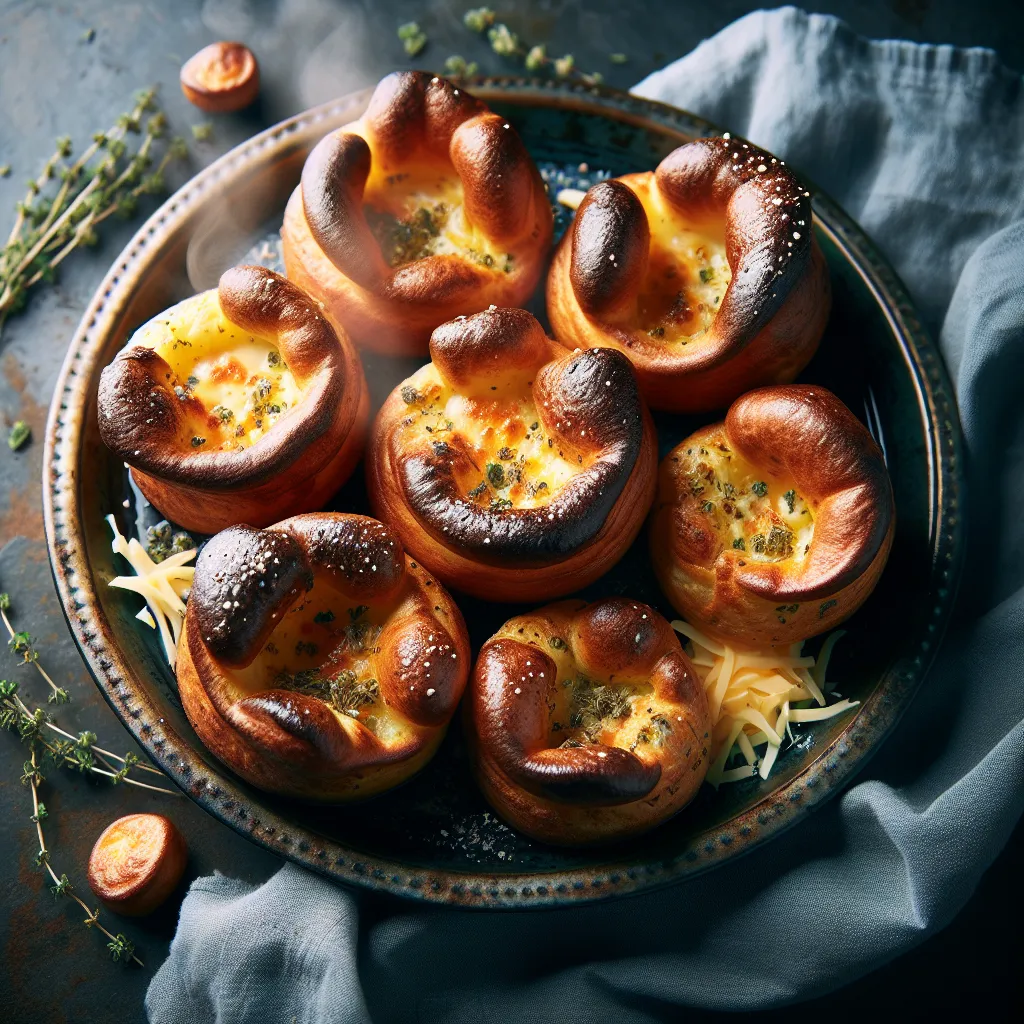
{"x": 435, "y": 838}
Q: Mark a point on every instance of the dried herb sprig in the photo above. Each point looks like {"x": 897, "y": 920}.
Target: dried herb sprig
{"x": 120, "y": 947}
{"x": 106, "y": 179}
{"x": 80, "y": 752}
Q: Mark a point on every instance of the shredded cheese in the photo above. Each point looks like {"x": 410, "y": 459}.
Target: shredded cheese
{"x": 161, "y": 584}
{"x": 751, "y": 697}
{"x": 571, "y": 197}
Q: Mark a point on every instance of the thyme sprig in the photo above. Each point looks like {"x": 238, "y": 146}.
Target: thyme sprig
{"x": 48, "y": 744}
{"x": 80, "y": 752}
{"x": 120, "y": 947}
{"x": 106, "y": 179}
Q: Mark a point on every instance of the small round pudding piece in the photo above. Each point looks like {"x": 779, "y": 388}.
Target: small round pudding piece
{"x": 221, "y": 78}
{"x": 136, "y": 863}
{"x": 426, "y": 207}
{"x": 514, "y": 469}
{"x": 239, "y": 405}
{"x": 587, "y": 722}
{"x": 776, "y": 524}
{"x": 705, "y": 272}
{"x": 317, "y": 659}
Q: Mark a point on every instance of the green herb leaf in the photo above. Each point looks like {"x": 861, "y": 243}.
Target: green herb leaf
{"x": 63, "y": 886}
{"x": 19, "y": 434}
{"x": 495, "y": 474}
{"x": 413, "y": 38}
{"x": 478, "y": 18}
{"x": 503, "y": 40}
{"x": 457, "y": 67}
{"x": 564, "y": 66}
{"x": 536, "y": 58}
{"x": 121, "y": 949}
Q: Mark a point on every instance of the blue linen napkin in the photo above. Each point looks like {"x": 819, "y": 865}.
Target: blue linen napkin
{"x": 924, "y": 146}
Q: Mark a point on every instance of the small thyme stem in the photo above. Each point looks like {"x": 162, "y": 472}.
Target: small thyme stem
{"x": 75, "y": 203}
{"x": 22, "y": 707}
{"x": 39, "y": 668}
{"x": 116, "y": 133}
{"x": 44, "y": 856}
{"x": 14, "y": 704}
{"x": 47, "y": 230}
{"x": 99, "y": 750}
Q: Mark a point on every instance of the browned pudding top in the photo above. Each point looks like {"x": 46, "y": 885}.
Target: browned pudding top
{"x": 228, "y": 387}
{"x": 690, "y": 262}
{"x": 509, "y": 446}
{"x": 427, "y": 195}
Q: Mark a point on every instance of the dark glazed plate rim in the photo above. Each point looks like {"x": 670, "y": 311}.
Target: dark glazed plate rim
{"x": 227, "y": 799}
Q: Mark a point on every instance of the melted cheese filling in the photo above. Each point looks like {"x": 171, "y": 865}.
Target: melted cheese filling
{"x": 514, "y": 462}
{"x": 765, "y": 518}
{"x": 583, "y": 711}
{"x": 235, "y": 386}
{"x": 755, "y": 697}
{"x": 687, "y": 277}
{"x": 326, "y": 647}
{"x": 413, "y": 216}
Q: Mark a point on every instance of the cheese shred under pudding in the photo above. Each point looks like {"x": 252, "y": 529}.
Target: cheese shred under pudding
{"x": 755, "y": 697}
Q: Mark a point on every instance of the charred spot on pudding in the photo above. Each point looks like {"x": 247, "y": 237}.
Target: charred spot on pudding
{"x": 245, "y": 579}
{"x": 356, "y": 550}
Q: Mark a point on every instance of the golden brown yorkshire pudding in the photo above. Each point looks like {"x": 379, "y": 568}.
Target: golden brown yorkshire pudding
{"x": 317, "y": 660}
{"x": 588, "y": 722}
{"x": 221, "y": 78}
{"x": 240, "y": 404}
{"x": 776, "y": 524}
{"x": 705, "y": 273}
{"x": 511, "y": 467}
{"x": 136, "y": 863}
{"x": 426, "y": 207}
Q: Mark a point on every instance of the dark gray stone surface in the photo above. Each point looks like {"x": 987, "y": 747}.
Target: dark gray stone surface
{"x": 53, "y": 81}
